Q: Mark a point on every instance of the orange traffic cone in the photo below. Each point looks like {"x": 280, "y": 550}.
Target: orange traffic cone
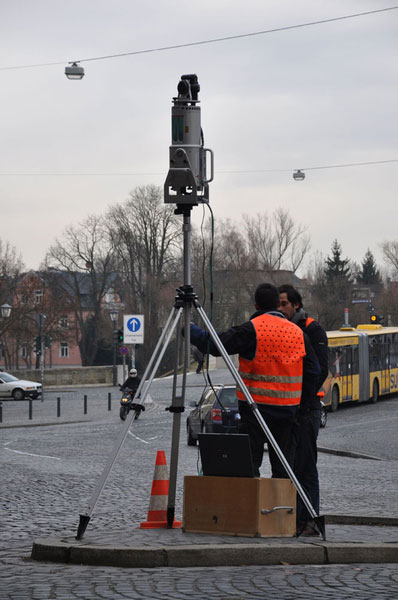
{"x": 157, "y": 512}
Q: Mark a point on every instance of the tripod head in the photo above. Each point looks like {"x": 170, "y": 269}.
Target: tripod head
{"x": 186, "y": 181}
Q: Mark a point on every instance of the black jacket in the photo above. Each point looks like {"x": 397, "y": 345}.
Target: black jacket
{"x": 319, "y": 342}
{"x": 131, "y": 383}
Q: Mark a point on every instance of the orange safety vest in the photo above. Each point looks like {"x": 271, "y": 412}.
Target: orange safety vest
{"x": 275, "y": 374}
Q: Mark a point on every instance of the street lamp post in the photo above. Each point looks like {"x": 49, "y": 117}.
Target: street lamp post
{"x": 42, "y": 318}
{"x": 113, "y": 314}
{"x": 5, "y": 311}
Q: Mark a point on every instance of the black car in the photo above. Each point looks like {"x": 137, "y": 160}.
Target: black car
{"x": 216, "y": 412}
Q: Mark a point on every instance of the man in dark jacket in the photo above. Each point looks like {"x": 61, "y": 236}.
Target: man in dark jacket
{"x": 276, "y": 401}
{"x": 132, "y": 382}
{"x": 309, "y": 414}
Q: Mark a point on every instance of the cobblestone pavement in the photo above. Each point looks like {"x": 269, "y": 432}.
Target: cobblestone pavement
{"x": 49, "y": 472}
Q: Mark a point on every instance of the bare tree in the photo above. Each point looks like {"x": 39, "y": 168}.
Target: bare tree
{"x": 146, "y": 234}
{"x": 276, "y": 242}
{"x": 390, "y": 254}
{"x": 84, "y": 260}
{"x": 11, "y": 266}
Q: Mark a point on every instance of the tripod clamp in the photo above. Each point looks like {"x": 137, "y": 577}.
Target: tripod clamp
{"x": 185, "y": 295}
{"x": 175, "y": 409}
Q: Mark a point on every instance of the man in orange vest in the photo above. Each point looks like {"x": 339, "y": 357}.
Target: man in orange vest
{"x": 274, "y": 357}
{"x": 309, "y": 414}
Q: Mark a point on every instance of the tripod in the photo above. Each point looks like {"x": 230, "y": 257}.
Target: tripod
{"x": 185, "y": 300}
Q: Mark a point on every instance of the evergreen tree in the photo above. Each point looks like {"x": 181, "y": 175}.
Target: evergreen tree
{"x": 369, "y": 273}
{"x": 337, "y": 268}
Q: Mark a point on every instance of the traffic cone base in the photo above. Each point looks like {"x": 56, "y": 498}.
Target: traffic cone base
{"x": 157, "y": 512}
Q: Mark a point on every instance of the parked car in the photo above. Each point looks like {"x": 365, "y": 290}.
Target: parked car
{"x": 11, "y": 387}
{"x": 216, "y": 412}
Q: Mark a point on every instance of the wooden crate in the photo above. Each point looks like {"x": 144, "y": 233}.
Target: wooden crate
{"x": 233, "y": 505}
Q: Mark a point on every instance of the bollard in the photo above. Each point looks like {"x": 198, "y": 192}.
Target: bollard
{"x": 85, "y": 404}
{"x": 1, "y": 412}
{"x": 30, "y": 408}
{"x": 109, "y": 401}
{"x": 58, "y": 407}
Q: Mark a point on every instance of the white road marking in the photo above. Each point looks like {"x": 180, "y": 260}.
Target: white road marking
{"x": 27, "y": 453}
{"x": 138, "y": 438}
{"x": 30, "y": 454}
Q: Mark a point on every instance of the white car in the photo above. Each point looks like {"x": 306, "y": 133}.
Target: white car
{"x": 11, "y": 387}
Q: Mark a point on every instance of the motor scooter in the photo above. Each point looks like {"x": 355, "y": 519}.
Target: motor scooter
{"x": 127, "y": 403}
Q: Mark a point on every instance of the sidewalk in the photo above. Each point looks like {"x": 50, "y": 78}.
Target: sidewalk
{"x": 350, "y": 539}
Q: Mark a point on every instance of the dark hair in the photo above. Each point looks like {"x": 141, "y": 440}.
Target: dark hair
{"x": 266, "y": 297}
{"x": 292, "y": 294}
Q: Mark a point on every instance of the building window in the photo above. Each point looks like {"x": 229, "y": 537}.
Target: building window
{"x": 63, "y": 323}
{"x": 38, "y": 296}
{"x": 64, "y": 350}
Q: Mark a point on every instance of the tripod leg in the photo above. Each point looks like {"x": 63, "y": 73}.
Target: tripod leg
{"x": 177, "y": 408}
{"x": 216, "y": 340}
{"x": 144, "y": 385}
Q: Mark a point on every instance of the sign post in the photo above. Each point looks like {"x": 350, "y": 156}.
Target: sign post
{"x": 123, "y": 352}
{"x": 133, "y": 333}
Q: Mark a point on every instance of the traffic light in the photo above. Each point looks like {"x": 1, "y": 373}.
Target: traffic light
{"x": 376, "y": 319}
{"x": 118, "y": 337}
{"x": 37, "y": 345}
{"x": 48, "y": 341}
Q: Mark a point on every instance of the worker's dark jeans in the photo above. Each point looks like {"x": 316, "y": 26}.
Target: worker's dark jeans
{"x": 305, "y": 467}
{"x": 282, "y": 425}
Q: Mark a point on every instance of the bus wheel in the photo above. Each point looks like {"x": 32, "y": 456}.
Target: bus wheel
{"x": 335, "y": 399}
{"x": 375, "y": 391}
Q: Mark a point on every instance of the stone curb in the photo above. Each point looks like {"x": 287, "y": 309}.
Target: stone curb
{"x": 348, "y": 453}
{"x": 215, "y": 555}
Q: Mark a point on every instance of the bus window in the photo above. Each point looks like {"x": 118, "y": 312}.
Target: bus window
{"x": 334, "y": 362}
{"x": 394, "y": 351}
{"x": 375, "y": 354}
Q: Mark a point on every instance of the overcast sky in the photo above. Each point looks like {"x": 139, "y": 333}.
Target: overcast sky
{"x": 301, "y": 98}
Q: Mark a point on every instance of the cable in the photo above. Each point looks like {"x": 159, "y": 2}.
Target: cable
{"x": 210, "y": 41}
{"x": 221, "y": 171}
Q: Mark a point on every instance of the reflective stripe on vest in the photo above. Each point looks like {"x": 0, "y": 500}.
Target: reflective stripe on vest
{"x": 275, "y": 375}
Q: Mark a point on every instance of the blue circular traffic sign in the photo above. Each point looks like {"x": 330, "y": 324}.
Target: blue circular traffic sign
{"x": 134, "y": 324}
{"x": 123, "y": 350}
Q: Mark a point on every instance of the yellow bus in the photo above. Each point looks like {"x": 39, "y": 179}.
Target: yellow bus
{"x": 363, "y": 364}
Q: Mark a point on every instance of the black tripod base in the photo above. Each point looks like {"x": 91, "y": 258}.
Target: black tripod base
{"x": 84, "y": 520}
{"x": 320, "y": 523}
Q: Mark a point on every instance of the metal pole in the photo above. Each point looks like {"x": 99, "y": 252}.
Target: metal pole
{"x": 133, "y": 356}
{"x": 178, "y": 401}
{"x": 58, "y": 407}
{"x": 85, "y": 404}
{"x": 1, "y": 412}
{"x": 124, "y": 367}
{"x": 30, "y": 409}
{"x": 109, "y": 401}
{"x": 42, "y": 350}
{"x": 114, "y": 377}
